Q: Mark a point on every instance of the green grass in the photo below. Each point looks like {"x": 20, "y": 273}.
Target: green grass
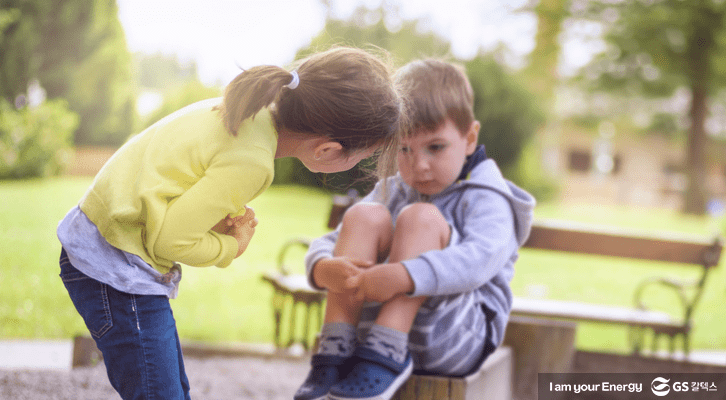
{"x": 233, "y": 304}
{"x": 230, "y": 304}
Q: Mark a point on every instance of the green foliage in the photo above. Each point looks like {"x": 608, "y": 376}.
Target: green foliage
{"x": 664, "y": 124}
{"x": 508, "y": 113}
{"x": 77, "y": 50}
{"x": 162, "y": 72}
{"x": 366, "y": 27}
{"x": 184, "y": 95}
{"x": 19, "y": 36}
{"x": 85, "y": 61}
{"x": 35, "y": 142}
{"x": 655, "y": 47}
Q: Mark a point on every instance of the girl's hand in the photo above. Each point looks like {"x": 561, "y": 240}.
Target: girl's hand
{"x": 242, "y": 228}
{"x": 381, "y": 282}
{"x": 333, "y": 273}
{"x": 225, "y": 226}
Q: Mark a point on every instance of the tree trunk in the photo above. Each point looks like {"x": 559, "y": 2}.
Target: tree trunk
{"x": 696, "y": 196}
{"x": 698, "y": 53}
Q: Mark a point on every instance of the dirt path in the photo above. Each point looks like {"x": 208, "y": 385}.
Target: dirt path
{"x": 210, "y": 379}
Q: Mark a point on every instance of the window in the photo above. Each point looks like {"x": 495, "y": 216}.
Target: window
{"x": 580, "y": 160}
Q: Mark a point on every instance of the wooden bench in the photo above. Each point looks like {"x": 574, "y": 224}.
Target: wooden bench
{"x": 691, "y": 251}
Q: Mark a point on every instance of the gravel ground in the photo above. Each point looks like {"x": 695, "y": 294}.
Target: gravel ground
{"x": 215, "y": 378}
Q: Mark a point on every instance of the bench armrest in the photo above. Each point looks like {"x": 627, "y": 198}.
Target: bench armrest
{"x": 301, "y": 241}
{"x": 680, "y": 288}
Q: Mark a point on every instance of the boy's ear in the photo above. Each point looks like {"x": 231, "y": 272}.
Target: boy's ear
{"x": 472, "y": 137}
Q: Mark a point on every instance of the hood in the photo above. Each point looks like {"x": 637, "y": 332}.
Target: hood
{"x": 486, "y": 175}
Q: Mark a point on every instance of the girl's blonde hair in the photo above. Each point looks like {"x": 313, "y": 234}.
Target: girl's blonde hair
{"x": 345, "y": 94}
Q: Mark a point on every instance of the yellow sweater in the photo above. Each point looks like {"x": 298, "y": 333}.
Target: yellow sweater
{"x": 162, "y": 192}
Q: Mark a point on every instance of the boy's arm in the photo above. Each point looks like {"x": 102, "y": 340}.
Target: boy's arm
{"x": 488, "y": 244}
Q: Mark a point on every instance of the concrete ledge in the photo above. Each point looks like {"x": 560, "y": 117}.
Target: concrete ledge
{"x": 36, "y": 354}
{"x": 86, "y": 353}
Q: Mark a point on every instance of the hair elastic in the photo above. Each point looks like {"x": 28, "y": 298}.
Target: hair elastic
{"x": 295, "y": 80}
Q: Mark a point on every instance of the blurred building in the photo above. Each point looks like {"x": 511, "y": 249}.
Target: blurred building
{"x": 639, "y": 170}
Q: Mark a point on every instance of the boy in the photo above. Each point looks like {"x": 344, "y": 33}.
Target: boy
{"x": 420, "y": 280}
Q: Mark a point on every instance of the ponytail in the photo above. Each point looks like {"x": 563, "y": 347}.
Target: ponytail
{"x": 344, "y": 94}
{"x": 249, "y": 92}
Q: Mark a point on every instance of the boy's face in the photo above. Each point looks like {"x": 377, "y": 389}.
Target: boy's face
{"x": 431, "y": 161}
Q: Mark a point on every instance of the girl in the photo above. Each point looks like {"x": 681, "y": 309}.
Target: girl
{"x": 176, "y": 193}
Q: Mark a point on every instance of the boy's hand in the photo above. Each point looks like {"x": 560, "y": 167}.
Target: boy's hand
{"x": 382, "y": 282}
{"x": 333, "y": 273}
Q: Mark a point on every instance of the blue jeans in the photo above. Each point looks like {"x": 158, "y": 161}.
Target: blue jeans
{"x": 136, "y": 334}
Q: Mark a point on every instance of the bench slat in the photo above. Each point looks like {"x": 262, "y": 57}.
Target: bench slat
{"x": 591, "y": 312}
{"x": 551, "y": 235}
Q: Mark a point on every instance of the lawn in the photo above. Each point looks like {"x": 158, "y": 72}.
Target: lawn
{"x": 233, "y": 304}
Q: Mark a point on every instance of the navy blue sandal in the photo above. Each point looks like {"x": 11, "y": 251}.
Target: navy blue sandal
{"x": 326, "y": 371}
{"x": 373, "y": 377}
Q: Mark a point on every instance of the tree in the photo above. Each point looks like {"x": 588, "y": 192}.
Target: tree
{"x": 541, "y": 71}
{"x": 19, "y": 38}
{"x": 86, "y": 61}
{"x": 656, "y": 47}
{"x": 77, "y": 50}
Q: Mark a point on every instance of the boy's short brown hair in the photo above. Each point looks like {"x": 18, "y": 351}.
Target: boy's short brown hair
{"x": 434, "y": 90}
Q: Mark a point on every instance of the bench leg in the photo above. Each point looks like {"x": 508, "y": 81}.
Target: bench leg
{"x": 306, "y": 330}
{"x": 636, "y": 336}
{"x": 293, "y": 324}
{"x": 278, "y": 306}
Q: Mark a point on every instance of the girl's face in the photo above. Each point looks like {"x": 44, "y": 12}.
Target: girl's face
{"x": 431, "y": 161}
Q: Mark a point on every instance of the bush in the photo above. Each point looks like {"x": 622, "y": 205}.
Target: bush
{"x": 190, "y": 93}
{"x": 35, "y": 141}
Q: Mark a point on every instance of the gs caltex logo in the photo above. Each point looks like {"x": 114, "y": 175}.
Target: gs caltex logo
{"x": 660, "y": 386}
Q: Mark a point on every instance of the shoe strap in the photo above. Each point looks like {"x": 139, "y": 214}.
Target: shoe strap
{"x": 322, "y": 359}
{"x": 379, "y": 359}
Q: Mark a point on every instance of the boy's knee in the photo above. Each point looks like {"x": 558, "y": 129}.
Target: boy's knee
{"x": 369, "y": 215}
{"x": 423, "y": 215}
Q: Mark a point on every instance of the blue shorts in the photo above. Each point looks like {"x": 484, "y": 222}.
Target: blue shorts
{"x": 451, "y": 335}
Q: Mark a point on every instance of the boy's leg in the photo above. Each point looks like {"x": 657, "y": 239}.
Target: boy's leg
{"x": 136, "y": 335}
{"x": 365, "y": 235}
{"x": 384, "y": 360}
{"x": 420, "y": 227}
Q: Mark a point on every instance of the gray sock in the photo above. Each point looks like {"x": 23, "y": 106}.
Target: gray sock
{"x": 337, "y": 339}
{"x": 388, "y": 342}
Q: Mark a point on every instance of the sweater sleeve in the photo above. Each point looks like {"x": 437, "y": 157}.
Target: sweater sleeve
{"x": 227, "y": 185}
{"x": 487, "y": 243}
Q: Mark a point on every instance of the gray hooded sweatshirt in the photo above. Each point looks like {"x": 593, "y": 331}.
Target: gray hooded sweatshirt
{"x": 490, "y": 219}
